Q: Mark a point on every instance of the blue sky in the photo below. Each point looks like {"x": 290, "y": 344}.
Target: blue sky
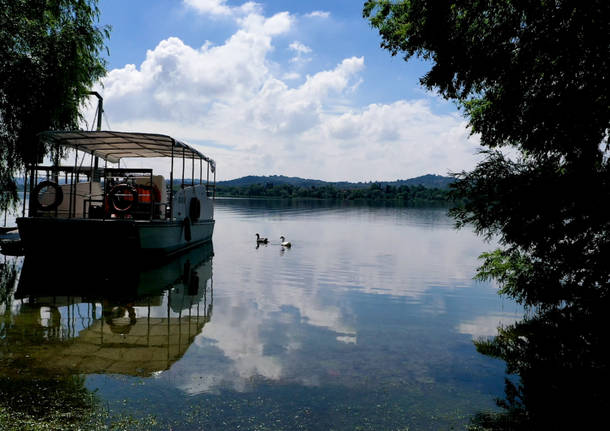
{"x": 296, "y": 88}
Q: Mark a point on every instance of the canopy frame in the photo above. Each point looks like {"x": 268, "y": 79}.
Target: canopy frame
{"x": 113, "y": 146}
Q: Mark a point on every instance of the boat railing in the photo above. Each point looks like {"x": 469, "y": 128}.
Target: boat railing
{"x": 106, "y": 193}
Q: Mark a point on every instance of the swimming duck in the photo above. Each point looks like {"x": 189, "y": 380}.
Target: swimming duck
{"x": 285, "y": 243}
{"x": 260, "y": 240}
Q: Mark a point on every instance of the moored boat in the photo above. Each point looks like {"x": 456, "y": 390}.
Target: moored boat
{"x": 113, "y": 209}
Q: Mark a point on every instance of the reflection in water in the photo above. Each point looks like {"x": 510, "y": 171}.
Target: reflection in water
{"x": 367, "y": 322}
{"x": 118, "y": 321}
{"x": 64, "y": 319}
{"x": 561, "y": 359}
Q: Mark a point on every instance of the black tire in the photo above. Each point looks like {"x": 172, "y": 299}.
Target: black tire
{"x": 115, "y": 196}
{"x": 187, "y": 228}
{"x": 194, "y": 209}
{"x": 59, "y": 195}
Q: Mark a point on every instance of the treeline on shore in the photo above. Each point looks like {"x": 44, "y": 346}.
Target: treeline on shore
{"x": 415, "y": 195}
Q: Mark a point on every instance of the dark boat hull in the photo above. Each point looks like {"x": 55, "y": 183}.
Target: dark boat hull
{"x": 42, "y": 235}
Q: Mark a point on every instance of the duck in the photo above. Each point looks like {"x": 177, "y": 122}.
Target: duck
{"x": 261, "y": 240}
{"x": 285, "y": 243}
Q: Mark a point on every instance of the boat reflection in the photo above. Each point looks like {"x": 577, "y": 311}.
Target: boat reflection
{"x": 120, "y": 320}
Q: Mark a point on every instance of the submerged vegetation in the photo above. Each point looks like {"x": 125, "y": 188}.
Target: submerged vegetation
{"x": 29, "y": 403}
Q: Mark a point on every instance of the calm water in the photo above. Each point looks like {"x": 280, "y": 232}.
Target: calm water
{"x": 367, "y": 322}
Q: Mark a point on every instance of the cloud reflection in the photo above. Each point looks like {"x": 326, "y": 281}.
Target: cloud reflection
{"x": 298, "y": 317}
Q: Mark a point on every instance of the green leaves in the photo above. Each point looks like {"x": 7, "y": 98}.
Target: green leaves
{"x": 531, "y": 77}
{"x": 50, "y": 56}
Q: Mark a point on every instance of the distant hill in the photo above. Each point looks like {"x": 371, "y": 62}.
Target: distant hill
{"x": 272, "y": 179}
{"x": 429, "y": 181}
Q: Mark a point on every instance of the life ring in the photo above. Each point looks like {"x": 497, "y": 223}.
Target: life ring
{"x": 123, "y": 197}
{"x": 194, "y": 209}
{"x": 187, "y": 228}
{"x": 59, "y": 195}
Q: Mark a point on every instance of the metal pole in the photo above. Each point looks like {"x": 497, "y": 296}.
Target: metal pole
{"x": 169, "y": 294}
{"x": 104, "y": 199}
{"x": 100, "y": 110}
{"x": 200, "y": 170}
{"x": 183, "y": 167}
{"x": 90, "y": 181}
{"x": 32, "y": 204}
{"x": 192, "y": 170}
{"x": 152, "y": 195}
{"x": 25, "y": 188}
{"x": 55, "y": 175}
{"x": 73, "y": 187}
{"x": 171, "y": 184}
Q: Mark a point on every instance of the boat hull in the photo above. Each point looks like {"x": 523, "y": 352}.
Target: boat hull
{"x": 169, "y": 238}
{"x": 157, "y": 238}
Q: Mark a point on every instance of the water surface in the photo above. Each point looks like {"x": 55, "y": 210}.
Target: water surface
{"x": 366, "y": 322}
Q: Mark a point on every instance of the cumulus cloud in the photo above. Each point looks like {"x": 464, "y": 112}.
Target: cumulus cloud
{"x": 299, "y": 47}
{"x": 289, "y": 76}
{"x": 318, "y": 14}
{"x": 265, "y": 118}
{"x": 301, "y": 51}
{"x": 220, "y": 7}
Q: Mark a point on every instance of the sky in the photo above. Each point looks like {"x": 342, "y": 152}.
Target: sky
{"x": 295, "y": 88}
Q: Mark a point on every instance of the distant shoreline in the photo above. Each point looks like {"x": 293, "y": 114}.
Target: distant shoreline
{"x": 409, "y": 195}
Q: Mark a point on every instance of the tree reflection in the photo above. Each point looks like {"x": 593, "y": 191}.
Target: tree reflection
{"x": 560, "y": 361}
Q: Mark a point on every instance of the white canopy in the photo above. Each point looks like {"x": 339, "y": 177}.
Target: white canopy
{"x": 113, "y": 146}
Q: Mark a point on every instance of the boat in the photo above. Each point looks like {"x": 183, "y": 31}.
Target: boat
{"x": 114, "y": 210}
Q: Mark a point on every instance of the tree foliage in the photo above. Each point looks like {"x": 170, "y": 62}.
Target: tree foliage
{"x": 50, "y": 56}
{"x": 531, "y": 77}
{"x": 411, "y": 195}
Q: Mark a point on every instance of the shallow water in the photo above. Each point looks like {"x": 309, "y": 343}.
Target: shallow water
{"x": 366, "y": 322}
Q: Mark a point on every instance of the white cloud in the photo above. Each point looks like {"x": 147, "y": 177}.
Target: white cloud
{"x": 232, "y": 94}
{"x": 220, "y": 7}
{"x": 318, "y": 14}
{"x": 299, "y": 47}
{"x": 257, "y": 24}
{"x": 290, "y": 76}
{"x": 301, "y": 51}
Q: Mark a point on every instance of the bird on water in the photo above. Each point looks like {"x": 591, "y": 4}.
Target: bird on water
{"x": 285, "y": 243}
{"x": 261, "y": 240}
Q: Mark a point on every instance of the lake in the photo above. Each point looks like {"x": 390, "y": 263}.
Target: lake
{"x": 366, "y": 322}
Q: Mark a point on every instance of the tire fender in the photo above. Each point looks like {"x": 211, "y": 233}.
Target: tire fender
{"x": 59, "y": 195}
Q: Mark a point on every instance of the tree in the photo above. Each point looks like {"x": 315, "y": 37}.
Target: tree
{"x": 50, "y": 56}
{"x": 532, "y": 77}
